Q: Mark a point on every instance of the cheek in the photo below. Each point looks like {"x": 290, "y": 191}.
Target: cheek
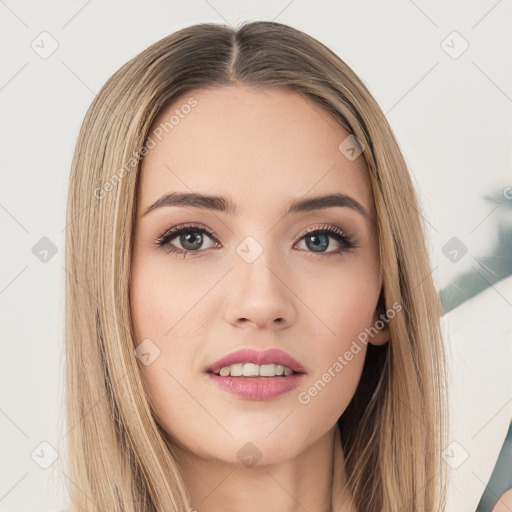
{"x": 344, "y": 298}
{"x": 164, "y": 302}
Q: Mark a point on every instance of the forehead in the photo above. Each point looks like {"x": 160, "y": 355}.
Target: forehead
{"x": 258, "y": 147}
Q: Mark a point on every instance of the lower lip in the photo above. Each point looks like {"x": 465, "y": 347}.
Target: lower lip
{"x": 257, "y": 388}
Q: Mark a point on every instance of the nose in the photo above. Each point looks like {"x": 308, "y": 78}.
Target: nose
{"x": 260, "y": 296}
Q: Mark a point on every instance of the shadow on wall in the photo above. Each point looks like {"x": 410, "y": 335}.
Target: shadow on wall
{"x": 488, "y": 270}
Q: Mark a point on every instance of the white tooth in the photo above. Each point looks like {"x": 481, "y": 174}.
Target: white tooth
{"x": 279, "y": 369}
{"x": 237, "y": 370}
{"x": 254, "y": 370}
{"x": 224, "y": 371}
{"x": 251, "y": 370}
{"x": 267, "y": 370}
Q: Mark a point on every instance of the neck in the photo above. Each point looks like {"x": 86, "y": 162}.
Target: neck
{"x": 341, "y": 498}
{"x": 304, "y": 482}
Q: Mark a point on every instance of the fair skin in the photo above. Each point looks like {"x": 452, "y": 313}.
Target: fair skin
{"x": 261, "y": 150}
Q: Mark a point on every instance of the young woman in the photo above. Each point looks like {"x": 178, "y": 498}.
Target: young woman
{"x": 250, "y": 319}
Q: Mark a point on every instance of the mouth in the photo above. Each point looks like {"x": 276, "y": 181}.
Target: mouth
{"x": 257, "y": 375}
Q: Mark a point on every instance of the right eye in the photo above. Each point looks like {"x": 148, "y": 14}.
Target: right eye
{"x": 190, "y": 237}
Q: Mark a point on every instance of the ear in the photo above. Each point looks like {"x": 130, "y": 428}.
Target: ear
{"x": 380, "y": 332}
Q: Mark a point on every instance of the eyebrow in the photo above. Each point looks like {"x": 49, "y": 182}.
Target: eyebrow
{"x": 224, "y": 204}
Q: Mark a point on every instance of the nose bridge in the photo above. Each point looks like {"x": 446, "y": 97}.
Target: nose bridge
{"x": 257, "y": 288}
{"x": 257, "y": 268}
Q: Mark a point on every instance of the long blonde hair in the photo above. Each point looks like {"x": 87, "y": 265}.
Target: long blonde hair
{"x": 393, "y": 430}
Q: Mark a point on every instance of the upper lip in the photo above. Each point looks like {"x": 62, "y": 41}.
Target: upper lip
{"x": 250, "y": 355}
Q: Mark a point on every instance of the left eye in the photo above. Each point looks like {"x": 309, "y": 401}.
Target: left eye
{"x": 318, "y": 240}
{"x": 191, "y": 239}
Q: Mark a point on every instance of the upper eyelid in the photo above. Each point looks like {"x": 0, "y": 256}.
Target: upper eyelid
{"x": 179, "y": 228}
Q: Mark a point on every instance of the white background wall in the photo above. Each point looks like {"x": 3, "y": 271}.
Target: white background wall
{"x": 452, "y": 118}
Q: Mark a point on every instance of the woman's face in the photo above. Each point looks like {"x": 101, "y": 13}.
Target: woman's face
{"x": 253, "y": 278}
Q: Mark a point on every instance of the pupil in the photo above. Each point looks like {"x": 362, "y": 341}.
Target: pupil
{"x": 320, "y": 242}
{"x": 194, "y": 239}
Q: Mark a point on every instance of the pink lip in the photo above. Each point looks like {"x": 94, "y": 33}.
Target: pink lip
{"x": 249, "y": 355}
{"x": 257, "y": 388}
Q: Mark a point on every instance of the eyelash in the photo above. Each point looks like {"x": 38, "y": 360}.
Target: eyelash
{"x": 347, "y": 242}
